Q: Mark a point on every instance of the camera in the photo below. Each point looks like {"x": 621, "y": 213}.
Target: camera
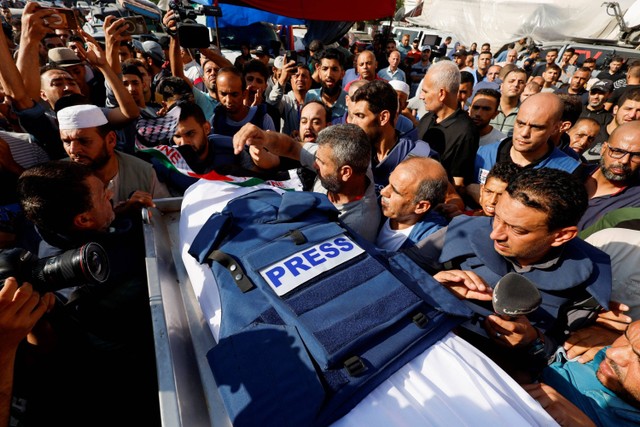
{"x": 135, "y": 25}
{"x": 290, "y": 56}
{"x": 65, "y": 18}
{"x": 192, "y": 34}
{"x": 88, "y": 264}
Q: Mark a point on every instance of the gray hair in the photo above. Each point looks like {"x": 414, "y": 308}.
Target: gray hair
{"x": 350, "y": 146}
{"x": 445, "y": 75}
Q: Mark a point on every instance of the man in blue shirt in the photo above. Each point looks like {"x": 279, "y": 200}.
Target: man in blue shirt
{"x": 602, "y": 392}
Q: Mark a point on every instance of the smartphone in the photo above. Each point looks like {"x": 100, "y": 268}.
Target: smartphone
{"x": 290, "y": 56}
{"x": 63, "y": 18}
{"x": 135, "y": 25}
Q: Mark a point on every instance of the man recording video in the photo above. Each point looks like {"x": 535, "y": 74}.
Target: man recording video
{"x": 105, "y": 329}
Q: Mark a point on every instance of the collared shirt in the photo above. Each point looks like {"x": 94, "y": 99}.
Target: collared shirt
{"x": 389, "y": 75}
{"x": 338, "y": 109}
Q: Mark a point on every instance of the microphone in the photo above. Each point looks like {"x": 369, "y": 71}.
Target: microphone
{"x": 513, "y": 295}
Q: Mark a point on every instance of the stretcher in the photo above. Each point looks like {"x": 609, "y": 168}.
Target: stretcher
{"x": 450, "y": 383}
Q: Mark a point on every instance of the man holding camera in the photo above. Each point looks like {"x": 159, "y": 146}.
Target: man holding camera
{"x": 206, "y": 100}
{"x": 104, "y": 332}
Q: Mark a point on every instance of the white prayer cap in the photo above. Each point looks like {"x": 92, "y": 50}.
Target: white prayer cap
{"x": 81, "y": 117}
{"x": 279, "y": 62}
{"x": 400, "y": 85}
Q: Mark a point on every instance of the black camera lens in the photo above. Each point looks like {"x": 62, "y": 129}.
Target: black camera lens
{"x": 88, "y": 264}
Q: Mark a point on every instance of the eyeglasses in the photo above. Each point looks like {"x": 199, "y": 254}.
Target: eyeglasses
{"x": 618, "y": 153}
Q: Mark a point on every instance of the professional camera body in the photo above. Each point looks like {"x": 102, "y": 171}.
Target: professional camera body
{"x": 88, "y": 264}
{"x": 191, "y": 34}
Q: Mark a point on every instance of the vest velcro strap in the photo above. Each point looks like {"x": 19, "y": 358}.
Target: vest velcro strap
{"x": 237, "y": 273}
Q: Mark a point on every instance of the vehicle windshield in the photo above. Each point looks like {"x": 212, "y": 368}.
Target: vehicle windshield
{"x": 260, "y": 33}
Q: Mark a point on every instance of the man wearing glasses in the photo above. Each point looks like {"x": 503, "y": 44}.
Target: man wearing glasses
{"x": 614, "y": 184}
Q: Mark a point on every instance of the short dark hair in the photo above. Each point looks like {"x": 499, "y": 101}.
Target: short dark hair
{"x": 131, "y": 68}
{"x": 70, "y": 100}
{"x": 380, "y": 96}
{"x": 572, "y": 107}
{"x": 555, "y": 67}
{"x": 630, "y": 94}
{"x": 137, "y": 62}
{"x": 466, "y": 77}
{"x": 570, "y": 50}
{"x": 504, "y": 171}
{"x": 191, "y": 109}
{"x": 332, "y": 53}
{"x": 255, "y": 66}
{"x": 53, "y": 193}
{"x": 49, "y": 67}
{"x": 171, "y": 86}
{"x": 554, "y": 192}
{"x": 492, "y": 93}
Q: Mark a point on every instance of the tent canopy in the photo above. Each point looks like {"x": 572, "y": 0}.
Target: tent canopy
{"x": 502, "y": 21}
{"x": 325, "y": 10}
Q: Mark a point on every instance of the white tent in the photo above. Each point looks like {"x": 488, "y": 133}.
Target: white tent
{"x": 502, "y": 21}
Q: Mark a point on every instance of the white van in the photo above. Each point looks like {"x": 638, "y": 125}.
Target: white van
{"x": 427, "y": 36}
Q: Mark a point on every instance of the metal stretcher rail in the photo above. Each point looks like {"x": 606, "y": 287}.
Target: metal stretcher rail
{"x": 187, "y": 391}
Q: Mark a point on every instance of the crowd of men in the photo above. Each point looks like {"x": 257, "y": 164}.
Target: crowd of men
{"x": 476, "y": 165}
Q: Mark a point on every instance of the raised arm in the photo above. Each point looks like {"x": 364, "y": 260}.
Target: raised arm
{"x": 127, "y": 109}
{"x": 216, "y": 57}
{"x": 175, "y": 59}
{"x": 11, "y": 79}
{"x": 113, "y": 38}
{"x": 275, "y": 142}
{"x": 35, "y": 25}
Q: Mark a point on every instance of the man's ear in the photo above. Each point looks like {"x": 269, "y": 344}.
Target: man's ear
{"x": 442, "y": 94}
{"x": 346, "y": 172}
{"x": 563, "y": 235}
{"x": 83, "y": 221}
{"x": 206, "y": 127}
{"x": 111, "y": 140}
{"x": 384, "y": 117}
{"x": 604, "y": 144}
{"x": 565, "y": 126}
{"x": 422, "y": 207}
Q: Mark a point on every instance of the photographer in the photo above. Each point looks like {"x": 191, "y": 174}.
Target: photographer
{"x": 106, "y": 327}
{"x": 207, "y": 100}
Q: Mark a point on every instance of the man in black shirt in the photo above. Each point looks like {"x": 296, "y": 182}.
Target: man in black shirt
{"x": 446, "y": 127}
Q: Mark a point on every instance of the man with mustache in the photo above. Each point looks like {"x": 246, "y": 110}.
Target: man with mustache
{"x": 89, "y": 139}
{"x": 533, "y": 233}
{"x": 340, "y": 157}
{"x": 614, "y": 184}
{"x": 331, "y": 73}
{"x": 290, "y": 104}
{"x": 604, "y": 391}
